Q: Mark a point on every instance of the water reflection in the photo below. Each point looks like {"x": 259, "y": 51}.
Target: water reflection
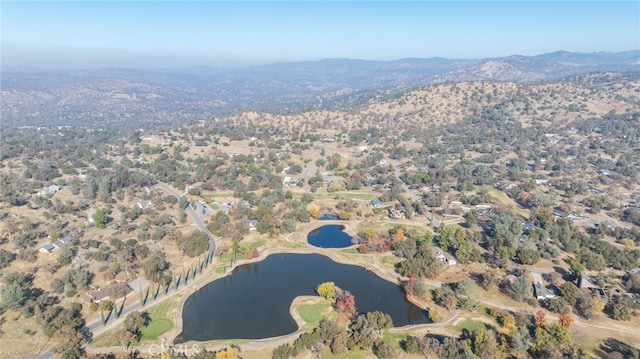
{"x": 253, "y": 302}
{"x": 330, "y": 236}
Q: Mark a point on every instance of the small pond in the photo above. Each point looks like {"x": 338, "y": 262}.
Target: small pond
{"x": 329, "y": 236}
{"x": 253, "y": 301}
{"x": 329, "y": 217}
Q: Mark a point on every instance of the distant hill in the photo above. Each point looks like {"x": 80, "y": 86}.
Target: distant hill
{"x": 578, "y": 100}
{"x": 142, "y": 98}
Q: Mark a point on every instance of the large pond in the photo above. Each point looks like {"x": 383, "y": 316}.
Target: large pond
{"x": 254, "y": 301}
{"x": 329, "y": 236}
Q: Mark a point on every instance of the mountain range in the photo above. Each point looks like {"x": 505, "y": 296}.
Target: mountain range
{"x": 141, "y": 98}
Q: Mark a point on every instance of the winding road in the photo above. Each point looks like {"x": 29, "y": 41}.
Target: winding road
{"x": 95, "y": 327}
{"x": 192, "y": 213}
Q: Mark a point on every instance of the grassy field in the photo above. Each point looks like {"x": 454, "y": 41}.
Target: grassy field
{"x": 503, "y": 199}
{"x": 216, "y": 195}
{"x": 390, "y": 261}
{"x": 471, "y": 325}
{"x": 225, "y": 258}
{"x": 314, "y": 313}
{"x": 394, "y": 339}
{"x": 161, "y": 322}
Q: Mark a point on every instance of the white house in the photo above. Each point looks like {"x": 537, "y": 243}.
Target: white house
{"x": 144, "y": 204}
{"x": 443, "y": 256}
{"x": 53, "y": 189}
{"x": 47, "y": 248}
{"x": 252, "y": 223}
{"x": 542, "y": 292}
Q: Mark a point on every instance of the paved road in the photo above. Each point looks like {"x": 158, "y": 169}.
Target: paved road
{"x": 414, "y": 198}
{"x": 192, "y": 213}
{"x": 96, "y": 327}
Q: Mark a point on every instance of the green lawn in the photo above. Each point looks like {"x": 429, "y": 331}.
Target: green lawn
{"x": 161, "y": 321}
{"x": 390, "y": 261}
{"x": 502, "y": 198}
{"x": 214, "y": 195}
{"x": 258, "y": 243}
{"x": 471, "y": 325}
{"x": 312, "y": 314}
{"x": 394, "y": 339}
{"x": 226, "y": 257}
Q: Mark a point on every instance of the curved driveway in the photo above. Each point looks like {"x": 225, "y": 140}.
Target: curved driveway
{"x": 192, "y": 213}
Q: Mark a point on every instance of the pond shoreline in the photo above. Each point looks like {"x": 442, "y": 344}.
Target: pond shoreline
{"x": 360, "y": 260}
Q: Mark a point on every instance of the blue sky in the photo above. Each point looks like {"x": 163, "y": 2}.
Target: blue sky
{"x": 191, "y": 33}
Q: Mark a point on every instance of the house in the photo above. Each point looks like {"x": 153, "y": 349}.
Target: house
{"x": 585, "y": 282}
{"x": 616, "y": 291}
{"x": 376, "y": 203}
{"x": 597, "y": 293}
{"x": 542, "y": 292}
{"x": 526, "y": 227}
{"x": 559, "y": 213}
{"x": 113, "y": 290}
{"x": 395, "y": 213}
{"x": 226, "y": 204}
{"x": 193, "y": 185}
{"x": 47, "y": 248}
{"x": 603, "y": 172}
{"x": 62, "y": 242}
{"x": 443, "y": 256}
{"x": 90, "y": 215}
{"x": 542, "y": 181}
{"x": 50, "y": 190}
{"x": 144, "y": 204}
{"x": 286, "y": 181}
{"x": 483, "y": 209}
{"x": 252, "y": 223}
{"x": 607, "y": 224}
{"x": 97, "y": 295}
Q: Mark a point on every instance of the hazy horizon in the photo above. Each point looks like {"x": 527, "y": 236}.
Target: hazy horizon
{"x": 165, "y": 35}
{"x": 249, "y": 64}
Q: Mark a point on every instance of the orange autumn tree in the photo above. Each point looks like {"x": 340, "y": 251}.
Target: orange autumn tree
{"x": 565, "y": 320}
{"x": 399, "y": 235}
{"x": 540, "y": 318}
{"x": 346, "y": 304}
